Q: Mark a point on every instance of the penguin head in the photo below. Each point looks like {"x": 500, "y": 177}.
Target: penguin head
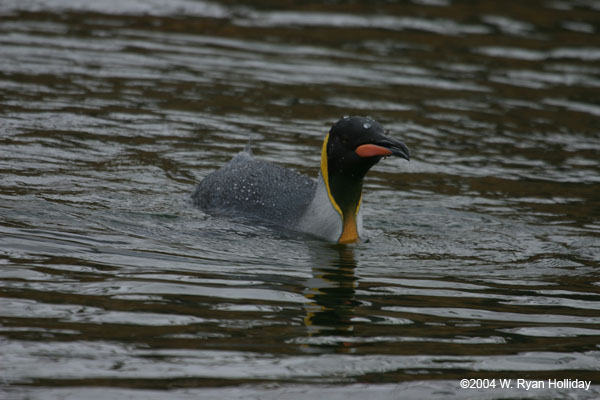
{"x": 352, "y": 147}
{"x": 355, "y": 144}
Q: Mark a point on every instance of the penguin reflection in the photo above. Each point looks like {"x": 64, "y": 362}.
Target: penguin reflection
{"x": 330, "y": 291}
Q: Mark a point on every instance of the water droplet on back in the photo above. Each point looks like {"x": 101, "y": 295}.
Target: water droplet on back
{"x": 367, "y": 125}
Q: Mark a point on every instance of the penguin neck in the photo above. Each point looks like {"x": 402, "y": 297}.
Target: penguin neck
{"x": 345, "y": 195}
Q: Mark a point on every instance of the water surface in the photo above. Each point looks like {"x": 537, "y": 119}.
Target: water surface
{"x": 483, "y": 255}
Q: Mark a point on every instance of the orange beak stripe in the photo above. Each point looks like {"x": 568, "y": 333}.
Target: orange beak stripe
{"x": 372, "y": 150}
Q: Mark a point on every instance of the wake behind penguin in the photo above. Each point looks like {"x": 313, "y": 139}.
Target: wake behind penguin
{"x": 328, "y": 207}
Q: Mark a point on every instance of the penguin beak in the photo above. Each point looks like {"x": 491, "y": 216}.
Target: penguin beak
{"x": 383, "y": 148}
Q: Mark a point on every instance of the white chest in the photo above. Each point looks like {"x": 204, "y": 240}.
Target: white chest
{"x": 321, "y": 218}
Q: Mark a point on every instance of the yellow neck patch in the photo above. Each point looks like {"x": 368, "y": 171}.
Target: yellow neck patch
{"x": 349, "y": 228}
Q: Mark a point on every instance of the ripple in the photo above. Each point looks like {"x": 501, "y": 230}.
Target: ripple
{"x": 488, "y": 315}
{"x": 552, "y": 331}
{"x": 542, "y": 80}
{"x": 337, "y": 340}
{"x": 339, "y": 20}
{"x": 579, "y": 26}
{"x": 98, "y": 360}
{"x": 577, "y": 53}
{"x": 509, "y": 25}
{"x": 120, "y": 7}
{"x": 154, "y": 288}
{"x": 84, "y": 314}
{"x": 430, "y": 389}
{"x": 575, "y": 106}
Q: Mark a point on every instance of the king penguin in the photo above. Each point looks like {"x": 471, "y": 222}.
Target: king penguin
{"x": 328, "y": 207}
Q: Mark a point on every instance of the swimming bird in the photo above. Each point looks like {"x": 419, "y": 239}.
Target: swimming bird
{"x": 328, "y": 207}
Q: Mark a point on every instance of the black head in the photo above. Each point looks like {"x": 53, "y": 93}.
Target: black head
{"x": 357, "y": 143}
{"x": 354, "y": 145}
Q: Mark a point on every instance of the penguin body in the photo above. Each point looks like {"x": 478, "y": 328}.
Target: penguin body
{"x": 256, "y": 189}
{"x": 328, "y": 207}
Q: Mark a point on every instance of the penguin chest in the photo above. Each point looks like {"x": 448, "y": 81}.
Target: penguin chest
{"x": 323, "y": 220}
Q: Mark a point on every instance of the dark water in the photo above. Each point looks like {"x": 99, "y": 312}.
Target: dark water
{"x": 483, "y": 254}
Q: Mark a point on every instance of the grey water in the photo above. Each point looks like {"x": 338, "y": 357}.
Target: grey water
{"x": 482, "y": 260}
